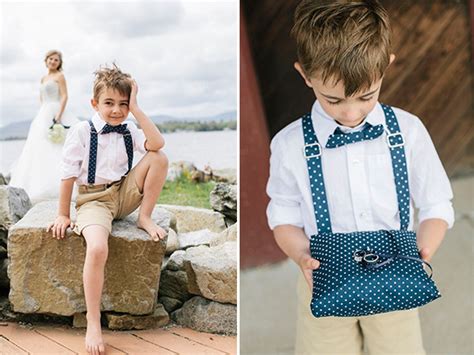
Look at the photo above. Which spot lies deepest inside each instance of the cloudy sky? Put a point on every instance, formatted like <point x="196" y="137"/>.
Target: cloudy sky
<point x="183" y="54"/>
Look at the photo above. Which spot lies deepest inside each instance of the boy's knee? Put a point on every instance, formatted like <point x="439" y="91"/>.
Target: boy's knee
<point x="98" y="252"/>
<point x="159" y="158"/>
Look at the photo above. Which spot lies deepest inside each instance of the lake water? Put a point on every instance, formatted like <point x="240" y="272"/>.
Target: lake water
<point x="217" y="149"/>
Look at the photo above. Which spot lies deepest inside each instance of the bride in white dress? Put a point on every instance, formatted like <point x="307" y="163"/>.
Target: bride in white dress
<point x="38" y="168"/>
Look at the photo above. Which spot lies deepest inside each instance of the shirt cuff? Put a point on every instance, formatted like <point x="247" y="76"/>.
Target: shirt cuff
<point x="281" y="215"/>
<point x="69" y="171"/>
<point x="442" y="211"/>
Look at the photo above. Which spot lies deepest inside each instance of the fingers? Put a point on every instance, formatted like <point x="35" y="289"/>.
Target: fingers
<point x="425" y="253"/>
<point x="48" y="228"/>
<point x="310" y="263"/>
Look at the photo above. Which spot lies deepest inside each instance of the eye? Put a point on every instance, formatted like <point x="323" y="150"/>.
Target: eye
<point x="366" y="98"/>
<point x="125" y="104"/>
<point x="333" y="102"/>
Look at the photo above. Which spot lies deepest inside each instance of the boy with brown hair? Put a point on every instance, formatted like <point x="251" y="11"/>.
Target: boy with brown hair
<point x="332" y="174"/>
<point x="98" y="157"/>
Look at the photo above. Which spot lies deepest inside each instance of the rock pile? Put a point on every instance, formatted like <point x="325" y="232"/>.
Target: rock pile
<point x="199" y="280"/>
<point x="190" y="278"/>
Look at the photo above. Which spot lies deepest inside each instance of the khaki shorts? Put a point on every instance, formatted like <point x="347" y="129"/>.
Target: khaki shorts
<point x="386" y="333"/>
<point x="101" y="204"/>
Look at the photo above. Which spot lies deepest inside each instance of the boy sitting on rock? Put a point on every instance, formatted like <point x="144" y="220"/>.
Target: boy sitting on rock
<point x="98" y="156"/>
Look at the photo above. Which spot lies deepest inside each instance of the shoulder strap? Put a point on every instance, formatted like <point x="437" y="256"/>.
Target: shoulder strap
<point x="312" y="152"/>
<point x="92" y="155"/>
<point x="396" y="142"/>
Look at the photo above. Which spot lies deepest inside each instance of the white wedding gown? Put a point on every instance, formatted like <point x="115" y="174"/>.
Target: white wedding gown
<point x="38" y="169"/>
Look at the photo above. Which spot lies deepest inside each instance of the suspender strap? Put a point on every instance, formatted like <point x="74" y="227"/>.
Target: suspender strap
<point x="312" y="152"/>
<point x="396" y="144"/>
<point x="92" y="155"/>
<point x="127" y="139"/>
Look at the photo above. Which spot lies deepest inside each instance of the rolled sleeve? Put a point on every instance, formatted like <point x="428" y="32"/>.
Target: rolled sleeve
<point x="138" y="138"/>
<point x="430" y="186"/>
<point x="73" y="153"/>
<point x="285" y="197"/>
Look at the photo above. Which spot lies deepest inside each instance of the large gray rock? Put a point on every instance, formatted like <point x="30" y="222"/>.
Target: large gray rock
<point x="14" y="203"/>
<point x="229" y="235"/>
<point x="223" y="198"/>
<point x="170" y="304"/>
<point x="207" y="316"/>
<point x="189" y="219"/>
<point x="212" y="272"/>
<point x="46" y="274"/>
<point x="176" y="261"/>
<point x="196" y="238"/>
<point x="174" y="284"/>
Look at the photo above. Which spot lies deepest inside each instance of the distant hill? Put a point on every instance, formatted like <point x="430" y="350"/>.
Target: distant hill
<point x="19" y="130"/>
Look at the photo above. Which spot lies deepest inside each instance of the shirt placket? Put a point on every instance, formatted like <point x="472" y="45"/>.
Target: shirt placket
<point x="359" y="187"/>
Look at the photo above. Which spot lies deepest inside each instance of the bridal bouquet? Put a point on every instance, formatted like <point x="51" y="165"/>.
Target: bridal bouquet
<point x="57" y="132"/>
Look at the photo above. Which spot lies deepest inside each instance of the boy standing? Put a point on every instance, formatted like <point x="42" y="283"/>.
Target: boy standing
<point x="344" y="49"/>
<point x="98" y="156"/>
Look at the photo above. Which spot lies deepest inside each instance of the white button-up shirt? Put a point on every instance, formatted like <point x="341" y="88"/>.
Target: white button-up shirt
<point x="112" y="159"/>
<point x="358" y="177"/>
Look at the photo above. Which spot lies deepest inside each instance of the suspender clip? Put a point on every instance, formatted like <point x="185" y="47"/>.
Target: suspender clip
<point x="395" y="140"/>
<point x="310" y="152"/>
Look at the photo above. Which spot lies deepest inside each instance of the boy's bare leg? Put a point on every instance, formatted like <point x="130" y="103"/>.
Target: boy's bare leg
<point x="96" y="255"/>
<point x="150" y="175"/>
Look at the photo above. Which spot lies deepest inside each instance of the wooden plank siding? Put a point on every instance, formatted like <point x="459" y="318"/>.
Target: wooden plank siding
<point x="258" y="245"/>
<point x="432" y="76"/>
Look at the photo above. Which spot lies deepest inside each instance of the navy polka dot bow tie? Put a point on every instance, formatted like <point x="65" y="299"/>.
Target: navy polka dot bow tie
<point x="121" y="128"/>
<point x="339" y="138"/>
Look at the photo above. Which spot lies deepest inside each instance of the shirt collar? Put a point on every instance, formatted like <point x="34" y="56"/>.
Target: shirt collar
<point x="98" y="122"/>
<point x="325" y="125"/>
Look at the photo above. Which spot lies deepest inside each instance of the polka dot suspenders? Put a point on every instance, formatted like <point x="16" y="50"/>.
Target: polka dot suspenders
<point x="312" y="152"/>
<point x="127" y="138"/>
<point x="368" y="272"/>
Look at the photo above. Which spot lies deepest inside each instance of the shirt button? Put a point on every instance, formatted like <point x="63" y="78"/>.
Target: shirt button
<point x="363" y="214"/>
<point x="356" y="162"/>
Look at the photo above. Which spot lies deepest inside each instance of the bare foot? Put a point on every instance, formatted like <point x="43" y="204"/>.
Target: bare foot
<point x="94" y="343"/>
<point x="155" y="231"/>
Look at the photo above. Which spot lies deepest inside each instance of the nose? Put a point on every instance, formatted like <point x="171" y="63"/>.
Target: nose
<point x="351" y="114"/>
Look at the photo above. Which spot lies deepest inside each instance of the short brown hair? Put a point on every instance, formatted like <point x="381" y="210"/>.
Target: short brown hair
<point x="112" y="78"/>
<point x="58" y="53"/>
<point x="343" y="40"/>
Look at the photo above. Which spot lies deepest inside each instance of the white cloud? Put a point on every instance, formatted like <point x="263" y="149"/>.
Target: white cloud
<point x="183" y="54"/>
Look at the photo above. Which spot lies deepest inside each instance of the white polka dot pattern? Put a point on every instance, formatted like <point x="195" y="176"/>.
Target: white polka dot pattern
<point x="127" y="139"/>
<point x="345" y="287"/>
<point x="368" y="132"/>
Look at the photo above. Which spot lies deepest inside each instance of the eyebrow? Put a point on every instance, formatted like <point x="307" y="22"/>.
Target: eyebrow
<point x="338" y="98"/>
<point x="109" y="98"/>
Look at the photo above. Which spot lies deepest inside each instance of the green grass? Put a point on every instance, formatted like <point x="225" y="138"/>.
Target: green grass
<point x="186" y="193"/>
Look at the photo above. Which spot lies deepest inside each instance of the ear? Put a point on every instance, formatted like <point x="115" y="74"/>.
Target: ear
<point x="300" y="70"/>
<point x="94" y="104"/>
